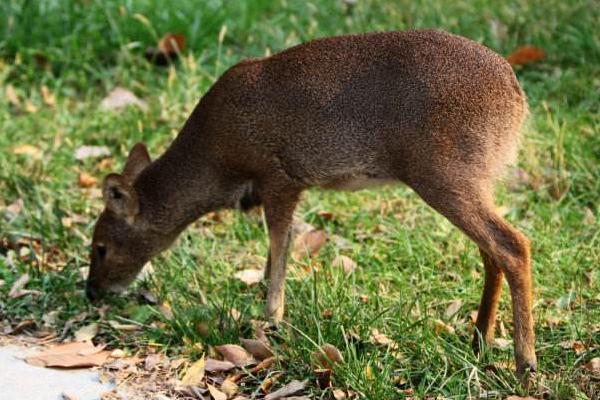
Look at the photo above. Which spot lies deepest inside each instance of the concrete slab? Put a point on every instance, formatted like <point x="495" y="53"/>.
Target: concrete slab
<point x="21" y="381"/>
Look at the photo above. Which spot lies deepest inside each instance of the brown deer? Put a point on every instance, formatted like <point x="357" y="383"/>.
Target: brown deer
<point x="435" y="111"/>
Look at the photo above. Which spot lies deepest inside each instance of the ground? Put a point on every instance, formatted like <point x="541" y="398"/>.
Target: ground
<point x="416" y="274"/>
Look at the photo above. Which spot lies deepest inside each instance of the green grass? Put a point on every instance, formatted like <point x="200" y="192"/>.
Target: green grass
<point x="412" y="262"/>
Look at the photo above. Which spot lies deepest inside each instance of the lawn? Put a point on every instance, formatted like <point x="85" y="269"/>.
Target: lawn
<point x="418" y="279"/>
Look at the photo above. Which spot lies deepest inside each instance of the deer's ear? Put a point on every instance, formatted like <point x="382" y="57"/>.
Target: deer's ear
<point x="137" y="160"/>
<point x="120" y="197"/>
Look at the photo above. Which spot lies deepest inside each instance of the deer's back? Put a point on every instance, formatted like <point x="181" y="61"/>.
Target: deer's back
<point x="383" y="106"/>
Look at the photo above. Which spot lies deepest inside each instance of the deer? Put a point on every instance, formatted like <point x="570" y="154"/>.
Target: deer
<point x="428" y="109"/>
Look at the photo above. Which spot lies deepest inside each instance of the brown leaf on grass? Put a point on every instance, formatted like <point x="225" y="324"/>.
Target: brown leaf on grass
<point x="11" y="96"/>
<point x="212" y="365"/>
<point x="576" y="345"/>
<point x="291" y="388"/>
<point x="250" y="276"/>
<point x="119" y="98"/>
<point x="264" y="364"/>
<point x="194" y="374"/>
<point x="525" y="55"/>
<point x="521" y="398"/>
<point x="86" y="180"/>
<point x="17" y="288"/>
<point x="167" y="49"/>
<point x="257" y="348"/>
<point x="70" y="355"/>
<point x="309" y="243"/>
<point x="215" y="393"/>
<point x="172" y="43"/>
<point x="236" y="355"/>
<point x="593" y="365"/>
<point x="47" y="96"/>
<point x="27" y="150"/>
<point x="344" y="262"/>
<point x="452" y="309"/>
<point x="87" y="333"/>
<point x="328" y="356"/>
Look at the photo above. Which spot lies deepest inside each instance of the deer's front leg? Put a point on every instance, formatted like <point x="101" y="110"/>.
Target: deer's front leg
<point x="279" y="212"/>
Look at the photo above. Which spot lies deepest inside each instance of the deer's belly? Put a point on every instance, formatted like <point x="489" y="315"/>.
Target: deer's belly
<point x="357" y="182"/>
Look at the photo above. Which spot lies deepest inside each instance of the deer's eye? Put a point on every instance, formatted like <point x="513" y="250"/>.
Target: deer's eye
<point x="101" y="250"/>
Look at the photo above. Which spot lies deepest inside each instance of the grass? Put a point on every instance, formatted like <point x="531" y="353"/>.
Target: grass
<point x="411" y="262"/>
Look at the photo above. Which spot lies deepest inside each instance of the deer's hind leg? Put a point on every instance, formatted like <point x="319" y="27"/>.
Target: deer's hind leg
<point x="486" y="315"/>
<point x="469" y="206"/>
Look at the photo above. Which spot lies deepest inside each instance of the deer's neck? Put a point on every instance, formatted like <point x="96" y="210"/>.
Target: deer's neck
<point x="182" y="185"/>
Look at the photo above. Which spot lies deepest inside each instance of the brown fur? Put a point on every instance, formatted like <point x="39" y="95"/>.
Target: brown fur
<point x="433" y="110"/>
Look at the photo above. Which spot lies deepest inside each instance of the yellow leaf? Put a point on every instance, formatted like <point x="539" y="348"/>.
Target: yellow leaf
<point x="12" y="96"/>
<point x="28" y="150"/>
<point x="195" y="374"/>
<point x="47" y="96"/>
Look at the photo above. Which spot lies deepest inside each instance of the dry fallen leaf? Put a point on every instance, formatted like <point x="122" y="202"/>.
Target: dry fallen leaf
<point x="15" y="208"/>
<point x="452" y="309"/>
<point x="440" y="326"/>
<point x="70" y="355"/>
<point x="521" y="398"/>
<point x="525" y="55"/>
<point x="501" y="343"/>
<point x="235" y="354"/>
<point x="593" y="365"/>
<point x="229" y="387"/>
<point x="264" y="364"/>
<point x="328" y="355"/>
<point x="83" y="152"/>
<point x="28" y="150"/>
<point x="16" y="290"/>
<point x="339" y="394"/>
<point x="119" y="98"/>
<point x="47" y="96"/>
<point x="86" y="180"/>
<point x="194" y="374"/>
<point x="348" y="264"/>
<point x="30" y="107"/>
<point x="381" y="339"/>
<point x="216" y="393"/>
<point x="11" y="96"/>
<point x="250" y="276"/>
<point x="309" y="243"/>
<point x="172" y="43"/>
<point x="576" y="345"/>
<point x="212" y="365"/>
<point x="257" y="348"/>
<point x="167" y="50"/>
<point x="87" y="333"/>
<point x="151" y="361"/>
<point x="291" y="388"/>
